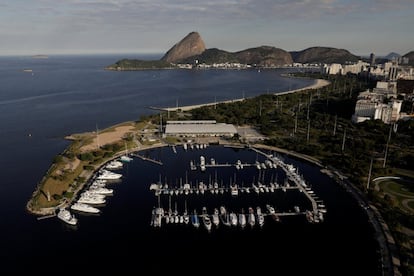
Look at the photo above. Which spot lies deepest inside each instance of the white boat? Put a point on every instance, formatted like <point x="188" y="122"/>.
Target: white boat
<point x="251" y="218"/>
<point x="233" y="219"/>
<point x="260" y="216"/>
<point x="114" y="165"/>
<point x="67" y="217"/>
<point x="216" y="219"/>
<point x="234" y="190"/>
<point x="101" y="191"/>
<point x="224" y="216"/>
<point x="206" y="219"/>
<point x="108" y="175"/>
<point x="194" y="219"/>
<point x="242" y="219"/>
<point x="202" y="163"/>
<point x="88" y="198"/>
<point x="82" y="207"/>
<point x="125" y="157"/>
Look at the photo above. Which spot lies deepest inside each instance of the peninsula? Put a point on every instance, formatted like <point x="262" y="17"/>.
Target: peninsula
<point x="191" y="50"/>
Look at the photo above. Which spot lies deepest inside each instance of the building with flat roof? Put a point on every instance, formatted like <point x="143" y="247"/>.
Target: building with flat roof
<point x="199" y="128"/>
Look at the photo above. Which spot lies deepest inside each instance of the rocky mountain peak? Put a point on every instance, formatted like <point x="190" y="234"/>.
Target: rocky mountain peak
<point x="190" y="45"/>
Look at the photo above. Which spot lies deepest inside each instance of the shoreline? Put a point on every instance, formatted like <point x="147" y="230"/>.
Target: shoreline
<point x="318" y="83"/>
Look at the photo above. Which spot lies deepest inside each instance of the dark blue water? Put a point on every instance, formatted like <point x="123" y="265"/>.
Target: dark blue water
<point x="69" y="94"/>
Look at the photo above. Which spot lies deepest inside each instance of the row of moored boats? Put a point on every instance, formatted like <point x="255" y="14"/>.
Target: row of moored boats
<point x="220" y="216"/>
<point x="95" y="196"/>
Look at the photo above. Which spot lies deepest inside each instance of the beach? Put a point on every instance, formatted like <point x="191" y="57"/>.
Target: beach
<point x="319" y="83"/>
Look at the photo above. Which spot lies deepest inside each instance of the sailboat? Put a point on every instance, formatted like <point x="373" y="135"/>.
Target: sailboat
<point x="125" y="157"/>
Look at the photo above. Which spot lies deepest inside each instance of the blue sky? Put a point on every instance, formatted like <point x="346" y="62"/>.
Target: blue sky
<point x="153" y="26"/>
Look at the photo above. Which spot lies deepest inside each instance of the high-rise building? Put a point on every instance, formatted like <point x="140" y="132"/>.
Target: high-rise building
<point x="372" y="59"/>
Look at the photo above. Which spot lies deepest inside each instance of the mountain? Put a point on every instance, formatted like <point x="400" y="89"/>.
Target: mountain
<point x="264" y="56"/>
<point x="192" y="48"/>
<point x="260" y="56"/>
<point x="410" y="57"/>
<point x="392" y="55"/>
<point x="190" y="45"/>
<point x="211" y="56"/>
<point x="323" y="55"/>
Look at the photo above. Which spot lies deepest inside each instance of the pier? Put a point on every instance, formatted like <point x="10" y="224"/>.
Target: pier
<point x="146" y="158"/>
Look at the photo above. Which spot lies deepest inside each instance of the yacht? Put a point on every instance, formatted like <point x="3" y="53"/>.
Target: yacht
<point x="242" y="219"/>
<point x="206" y="219"/>
<point x="108" y="175"/>
<point x="89" y="198"/>
<point x="67" y="217"/>
<point x="272" y="212"/>
<point x="224" y="216"/>
<point x="114" y="165"/>
<point x="251" y="218"/>
<point x="260" y="216"/>
<point x="234" y="190"/>
<point x="125" y="158"/>
<point x="194" y="219"/>
<point x="202" y="163"/>
<point x="216" y="219"/>
<point x="82" y="207"/>
<point x="233" y="219"/>
<point x="101" y="191"/>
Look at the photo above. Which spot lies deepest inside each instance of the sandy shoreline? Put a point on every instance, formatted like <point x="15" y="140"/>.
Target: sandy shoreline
<point x="319" y="83"/>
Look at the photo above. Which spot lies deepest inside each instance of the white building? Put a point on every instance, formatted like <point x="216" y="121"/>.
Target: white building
<point x="199" y="128"/>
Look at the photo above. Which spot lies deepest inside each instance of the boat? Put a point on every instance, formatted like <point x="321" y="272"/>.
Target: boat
<point x="186" y="216"/>
<point x="114" y="165"/>
<point x="234" y="190"/>
<point x="67" y="217"/>
<point x="242" y="219"/>
<point x="192" y="166"/>
<point x="251" y="218"/>
<point x="100" y="190"/>
<point x="206" y="219"/>
<point x="108" y="175"/>
<point x="90" y="198"/>
<point x="194" y="219"/>
<point x="272" y="212"/>
<point x="260" y="216"/>
<point x="224" y="216"/>
<point x="202" y="163"/>
<point x="125" y="157"/>
<point x="82" y="207"/>
<point x="216" y="219"/>
<point x="233" y="219"/>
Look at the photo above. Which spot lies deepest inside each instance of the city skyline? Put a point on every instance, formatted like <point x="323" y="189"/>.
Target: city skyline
<point x="153" y="26"/>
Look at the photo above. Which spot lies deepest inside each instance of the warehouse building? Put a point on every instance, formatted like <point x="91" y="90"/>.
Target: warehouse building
<point x="199" y="128"/>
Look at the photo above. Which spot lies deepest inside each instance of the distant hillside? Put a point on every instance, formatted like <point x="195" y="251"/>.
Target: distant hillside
<point x="264" y="56"/>
<point x="211" y="56"/>
<point x="189" y="46"/>
<point x="410" y="57"/>
<point x="392" y="55"/>
<point x="192" y="48"/>
<point x="323" y="55"/>
<point x="260" y="56"/>
<point x="136" y="64"/>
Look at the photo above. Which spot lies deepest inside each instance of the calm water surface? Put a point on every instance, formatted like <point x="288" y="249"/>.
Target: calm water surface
<point x="69" y="94"/>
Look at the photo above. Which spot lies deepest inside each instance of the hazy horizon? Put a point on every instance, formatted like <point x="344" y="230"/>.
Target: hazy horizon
<point x="52" y="27"/>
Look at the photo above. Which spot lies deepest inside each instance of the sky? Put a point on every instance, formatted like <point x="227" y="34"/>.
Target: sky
<point x="50" y="27"/>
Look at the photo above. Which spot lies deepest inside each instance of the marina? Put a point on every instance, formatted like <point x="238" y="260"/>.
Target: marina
<point x="293" y="181"/>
